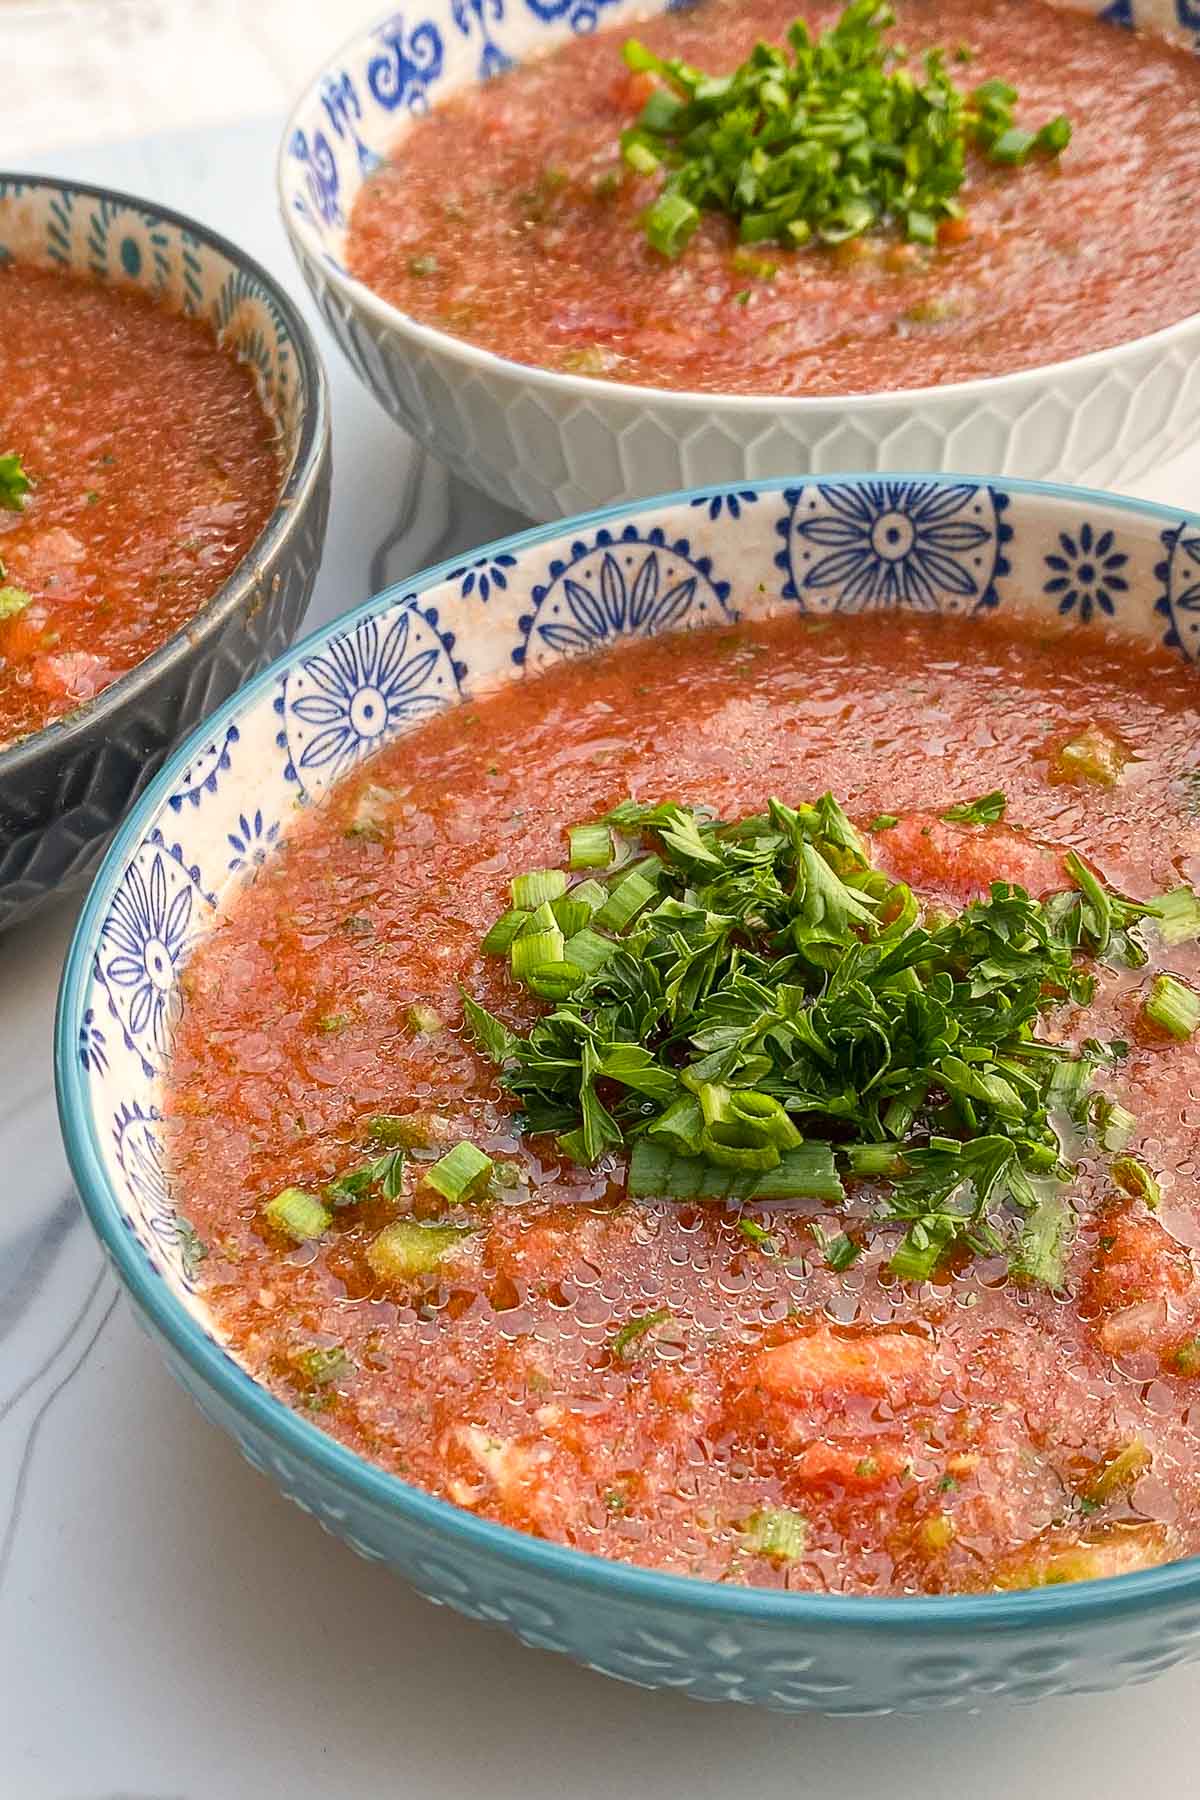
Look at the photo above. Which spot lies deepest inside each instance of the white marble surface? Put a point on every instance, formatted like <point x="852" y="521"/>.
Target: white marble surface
<point x="169" y="1627"/>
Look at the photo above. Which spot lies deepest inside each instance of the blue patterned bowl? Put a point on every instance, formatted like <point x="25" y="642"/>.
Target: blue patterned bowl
<point x="214" y="813"/>
<point x="550" y="444"/>
<point x="63" y="789"/>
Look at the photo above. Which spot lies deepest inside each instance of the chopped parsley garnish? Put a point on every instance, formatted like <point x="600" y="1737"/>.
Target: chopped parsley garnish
<point x="753" y="1011"/>
<point x="14" y="483"/>
<point x="987" y="810"/>
<point x="826" y="139"/>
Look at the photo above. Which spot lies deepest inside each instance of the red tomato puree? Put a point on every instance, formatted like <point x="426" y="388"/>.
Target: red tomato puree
<point x="507" y="217"/>
<point x="154" y="468"/>
<point x="641" y="1378"/>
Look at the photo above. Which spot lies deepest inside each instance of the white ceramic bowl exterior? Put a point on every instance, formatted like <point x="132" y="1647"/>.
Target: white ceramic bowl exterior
<point x="550" y="444"/>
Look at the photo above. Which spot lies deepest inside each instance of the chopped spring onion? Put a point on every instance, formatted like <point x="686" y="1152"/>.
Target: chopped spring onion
<point x="1114" y="1124"/>
<point x="591" y="846"/>
<point x="425" y="1020"/>
<point x="507" y="928"/>
<point x="627" y="1341"/>
<point x="536" y="947"/>
<point x="14" y="483"/>
<point x="407" y="1249"/>
<point x="537" y="887"/>
<point x="624" y="902"/>
<point x="588" y="950"/>
<point x="297" y="1215"/>
<point x="570" y="915"/>
<point x="1172" y="1006"/>
<point x="13" y="600"/>
<point x="460" y="1173"/>
<point x="1133" y="1177"/>
<point x="1043" y="1243"/>
<point x="1095" y="755"/>
<point x="777" y="1532"/>
<point x="1117" y="1473"/>
<point x="1177" y="916"/>
<point x="555" y="980"/>
<point x="407" y="1131"/>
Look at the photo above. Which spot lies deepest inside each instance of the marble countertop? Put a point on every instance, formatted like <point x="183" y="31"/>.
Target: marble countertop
<point x="170" y="1629"/>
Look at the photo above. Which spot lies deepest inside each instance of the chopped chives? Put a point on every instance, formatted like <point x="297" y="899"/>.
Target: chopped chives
<point x="460" y="1173"/>
<point x="1172" y="1006"/>
<point x="591" y="846"/>
<point x="829" y="138"/>
<point x="297" y="1215"/>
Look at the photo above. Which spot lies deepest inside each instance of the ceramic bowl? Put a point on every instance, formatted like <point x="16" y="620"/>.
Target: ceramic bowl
<point x="216" y="811"/>
<point x="64" y="788"/>
<point x="550" y="444"/>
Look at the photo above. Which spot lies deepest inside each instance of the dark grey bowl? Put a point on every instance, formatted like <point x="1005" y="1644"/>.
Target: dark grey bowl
<point x="64" y="789"/>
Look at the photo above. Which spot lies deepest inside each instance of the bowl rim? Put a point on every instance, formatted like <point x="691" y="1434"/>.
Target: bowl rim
<point x="62" y="736"/>
<point x="625" y="393"/>
<point x="1067" y="1604"/>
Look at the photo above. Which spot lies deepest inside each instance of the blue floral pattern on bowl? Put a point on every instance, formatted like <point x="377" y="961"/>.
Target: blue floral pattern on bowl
<point x="1086" y="572"/>
<point x="633" y="585"/>
<point x="205" y="826"/>
<point x="345" y="701"/>
<point x="932" y="545"/>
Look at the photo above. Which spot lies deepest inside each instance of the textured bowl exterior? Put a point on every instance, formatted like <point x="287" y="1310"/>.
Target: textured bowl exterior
<point x="852" y="543"/>
<point x="549" y="444"/>
<point x="63" y="789"/>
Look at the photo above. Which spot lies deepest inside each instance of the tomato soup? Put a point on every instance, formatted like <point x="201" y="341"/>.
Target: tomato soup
<point x="508" y="217"/>
<point x="149" y="468"/>
<point x="815" y="1392"/>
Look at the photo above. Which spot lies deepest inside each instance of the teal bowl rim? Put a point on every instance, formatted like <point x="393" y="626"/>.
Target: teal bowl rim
<point x="1073" y="1604"/>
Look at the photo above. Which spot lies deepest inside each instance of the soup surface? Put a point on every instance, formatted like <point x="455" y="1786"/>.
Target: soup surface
<point x="507" y="217"/>
<point x="153" y="468"/>
<point x="701" y="1387"/>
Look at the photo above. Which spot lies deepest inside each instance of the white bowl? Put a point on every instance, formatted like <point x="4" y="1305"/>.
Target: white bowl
<point x="549" y="444"/>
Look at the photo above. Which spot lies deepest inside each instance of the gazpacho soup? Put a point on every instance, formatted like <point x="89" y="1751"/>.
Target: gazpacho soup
<point x="729" y="1105"/>
<point x="137" y="467"/>
<point x="736" y="200"/>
